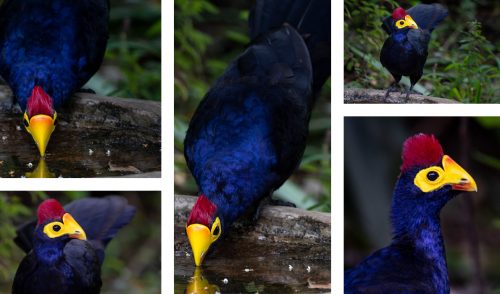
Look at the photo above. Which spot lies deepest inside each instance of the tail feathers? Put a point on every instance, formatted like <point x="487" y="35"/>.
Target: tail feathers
<point x="428" y="16"/>
<point x="311" y="18"/>
<point x="101" y="218"/>
<point x="24" y="236"/>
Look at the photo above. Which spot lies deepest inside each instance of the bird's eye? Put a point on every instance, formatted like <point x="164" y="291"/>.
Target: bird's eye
<point x="216" y="231"/>
<point x="26" y="123"/>
<point x="56" y="228"/>
<point x="432" y="175"/>
<point x="401" y="22"/>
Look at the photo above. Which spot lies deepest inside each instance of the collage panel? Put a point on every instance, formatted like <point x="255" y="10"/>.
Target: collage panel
<point x="421" y="211"/>
<point x="80" y="242"/>
<point x="421" y="51"/>
<point x="80" y="92"/>
<point x="252" y="139"/>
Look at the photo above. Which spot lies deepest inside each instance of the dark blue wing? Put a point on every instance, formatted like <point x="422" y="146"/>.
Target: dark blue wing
<point x="428" y="16"/>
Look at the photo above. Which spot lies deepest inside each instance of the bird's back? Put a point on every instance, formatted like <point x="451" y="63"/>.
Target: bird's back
<point x="55" y="44"/>
<point x="250" y="128"/>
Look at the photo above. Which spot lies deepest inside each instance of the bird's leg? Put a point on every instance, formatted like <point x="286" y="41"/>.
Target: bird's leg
<point x="279" y="202"/>
<point x="86" y="90"/>
<point x="408" y="93"/>
<point x="391" y="87"/>
<point x="269" y="201"/>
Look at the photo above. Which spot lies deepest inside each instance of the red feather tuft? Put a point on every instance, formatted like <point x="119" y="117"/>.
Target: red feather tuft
<point x="39" y="103"/>
<point x="203" y="212"/>
<point x="421" y="150"/>
<point x="50" y="209"/>
<point x="399" y="13"/>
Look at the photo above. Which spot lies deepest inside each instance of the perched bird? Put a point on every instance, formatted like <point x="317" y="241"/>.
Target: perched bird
<point x="65" y="246"/>
<point x="415" y="261"/>
<point x="249" y="132"/>
<point x="49" y="50"/>
<point x="405" y="50"/>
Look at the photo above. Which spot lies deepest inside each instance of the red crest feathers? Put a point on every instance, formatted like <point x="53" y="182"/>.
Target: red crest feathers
<point x="203" y="212"/>
<point x="40" y="103"/>
<point x="49" y="209"/>
<point x="399" y="13"/>
<point x="421" y="150"/>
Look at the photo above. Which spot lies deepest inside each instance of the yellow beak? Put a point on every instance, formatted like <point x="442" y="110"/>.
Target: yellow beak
<point x="411" y="23"/>
<point x="200" y="239"/>
<point x="72" y="228"/>
<point x="41" y="127"/>
<point x="456" y="176"/>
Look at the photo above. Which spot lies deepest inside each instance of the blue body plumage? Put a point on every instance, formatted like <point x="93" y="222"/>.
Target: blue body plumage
<point x="249" y="132"/>
<point x="69" y="262"/>
<point x="48" y="50"/>
<point x="405" y="50"/>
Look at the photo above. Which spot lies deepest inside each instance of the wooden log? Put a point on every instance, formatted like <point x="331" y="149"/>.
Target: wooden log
<point x="276" y="223"/>
<point x="287" y="246"/>
<point x="353" y="95"/>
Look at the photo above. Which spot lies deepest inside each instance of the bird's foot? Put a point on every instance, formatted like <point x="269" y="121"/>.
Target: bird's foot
<point x="279" y="202"/>
<point x="86" y="90"/>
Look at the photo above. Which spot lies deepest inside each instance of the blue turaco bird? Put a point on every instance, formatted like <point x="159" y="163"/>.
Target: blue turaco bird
<point x="415" y="261"/>
<point x="48" y="50"/>
<point x="405" y="51"/>
<point x="65" y="246"/>
<point x="249" y="132"/>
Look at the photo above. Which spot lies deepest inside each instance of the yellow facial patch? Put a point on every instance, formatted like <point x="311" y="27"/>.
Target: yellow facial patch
<point x="406" y="22"/>
<point x="435" y="177"/>
<point x="68" y="226"/>
<point x="216" y="230"/>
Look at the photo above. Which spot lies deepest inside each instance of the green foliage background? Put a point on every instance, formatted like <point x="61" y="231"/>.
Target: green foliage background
<point x="132" y="262"/>
<point x="208" y="36"/>
<point x="463" y="62"/>
<point x="132" y="64"/>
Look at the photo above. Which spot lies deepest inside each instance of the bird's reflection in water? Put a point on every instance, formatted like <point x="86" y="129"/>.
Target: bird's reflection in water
<point x="198" y="284"/>
<point x="41" y="171"/>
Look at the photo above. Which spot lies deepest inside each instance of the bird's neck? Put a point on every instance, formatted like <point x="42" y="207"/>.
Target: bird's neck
<point x="424" y="237"/>
<point x="49" y="254"/>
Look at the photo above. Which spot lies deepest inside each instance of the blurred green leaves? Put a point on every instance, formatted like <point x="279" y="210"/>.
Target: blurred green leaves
<point x="132" y="64"/>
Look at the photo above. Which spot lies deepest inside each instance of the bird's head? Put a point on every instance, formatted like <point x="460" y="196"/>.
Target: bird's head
<point x="428" y="179"/>
<point x="40" y="118"/>
<point x="402" y="20"/>
<point x="203" y="228"/>
<point x="56" y="224"/>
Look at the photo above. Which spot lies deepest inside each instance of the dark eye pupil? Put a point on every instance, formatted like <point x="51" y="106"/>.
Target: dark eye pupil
<point x="26" y="123"/>
<point x="216" y="231"/>
<point x="432" y="175"/>
<point x="56" y="228"/>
